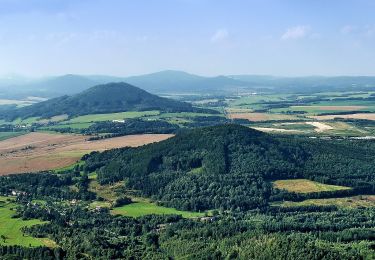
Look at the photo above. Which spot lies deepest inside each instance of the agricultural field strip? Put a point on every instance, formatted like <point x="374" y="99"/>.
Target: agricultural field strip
<point x="43" y="151"/>
<point x="366" y="116"/>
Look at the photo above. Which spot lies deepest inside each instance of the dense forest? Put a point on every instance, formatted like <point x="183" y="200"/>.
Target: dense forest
<point x="108" y="98"/>
<point x="130" y="127"/>
<point x="230" y="167"/>
<point x="309" y="232"/>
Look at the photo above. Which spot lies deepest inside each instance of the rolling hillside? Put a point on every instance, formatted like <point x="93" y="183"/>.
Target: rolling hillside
<point x="108" y="98"/>
<point x="230" y="166"/>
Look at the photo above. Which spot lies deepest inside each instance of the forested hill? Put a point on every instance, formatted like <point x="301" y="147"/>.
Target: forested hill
<point x="230" y="167"/>
<point x="108" y="98"/>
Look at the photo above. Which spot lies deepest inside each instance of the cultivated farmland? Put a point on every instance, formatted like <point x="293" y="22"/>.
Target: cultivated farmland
<point x="44" y="151"/>
<point x="367" y="116"/>
<point x="257" y="117"/>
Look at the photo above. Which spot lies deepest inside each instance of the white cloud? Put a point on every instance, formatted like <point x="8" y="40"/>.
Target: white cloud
<point x="220" y="35"/>
<point x="296" y="32"/>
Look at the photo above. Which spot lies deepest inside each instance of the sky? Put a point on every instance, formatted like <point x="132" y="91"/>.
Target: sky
<point x="205" y="37"/>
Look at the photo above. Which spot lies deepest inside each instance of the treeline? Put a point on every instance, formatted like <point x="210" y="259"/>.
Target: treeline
<point x="108" y="129"/>
<point x="47" y="185"/>
<point x="131" y="126"/>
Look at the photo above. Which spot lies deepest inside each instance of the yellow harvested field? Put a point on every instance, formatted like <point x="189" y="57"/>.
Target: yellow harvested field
<point x="306" y="186"/>
<point x="257" y="117"/>
<point x="43" y="151"/>
<point x="368" y="116"/>
<point x="333" y="108"/>
<point x="348" y="202"/>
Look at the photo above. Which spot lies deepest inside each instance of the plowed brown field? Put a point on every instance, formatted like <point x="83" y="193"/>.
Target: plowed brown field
<point x="43" y="151"/>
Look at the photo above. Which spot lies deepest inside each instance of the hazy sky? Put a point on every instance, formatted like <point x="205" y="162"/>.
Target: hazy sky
<point x="208" y="37"/>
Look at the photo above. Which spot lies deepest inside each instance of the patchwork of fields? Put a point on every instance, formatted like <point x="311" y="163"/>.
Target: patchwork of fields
<point x="326" y="109"/>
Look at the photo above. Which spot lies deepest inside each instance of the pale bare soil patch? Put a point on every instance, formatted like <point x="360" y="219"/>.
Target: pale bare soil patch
<point x="279" y="130"/>
<point x="320" y="127"/>
<point x="306" y="186"/>
<point x="368" y="116"/>
<point x="257" y="117"/>
<point x="333" y="108"/>
<point x="43" y="151"/>
<point x="367" y="201"/>
<point x="238" y="110"/>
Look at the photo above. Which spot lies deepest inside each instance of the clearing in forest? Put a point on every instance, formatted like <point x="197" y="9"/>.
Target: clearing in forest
<point x="306" y="186"/>
<point x="10" y="228"/>
<point x="140" y="206"/>
<point x="144" y="207"/>
<point x="365" y="201"/>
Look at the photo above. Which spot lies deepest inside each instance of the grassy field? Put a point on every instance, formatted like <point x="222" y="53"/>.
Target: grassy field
<point x="107" y="192"/>
<point x="258" y="117"/>
<point x="11" y="227"/>
<point x="112" y="116"/>
<point x="348" y="202"/>
<point x="26" y="121"/>
<point x="305" y="186"/>
<point x="142" y="208"/>
<point x="255" y="101"/>
<point x="69" y="167"/>
<point x="70" y="125"/>
<point x="7" y="135"/>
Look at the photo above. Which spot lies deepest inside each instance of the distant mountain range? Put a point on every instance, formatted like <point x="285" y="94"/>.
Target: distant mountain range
<point x="107" y="98"/>
<point x="182" y="82"/>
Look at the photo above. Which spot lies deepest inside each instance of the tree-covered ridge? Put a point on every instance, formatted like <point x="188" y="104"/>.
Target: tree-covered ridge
<point x="107" y="98"/>
<point x="230" y="167"/>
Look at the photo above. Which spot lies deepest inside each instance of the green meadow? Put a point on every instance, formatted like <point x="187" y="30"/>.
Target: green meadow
<point x="112" y="116"/>
<point x="11" y="228"/>
<point x="142" y="208"/>
<point x="7" y="135"/>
